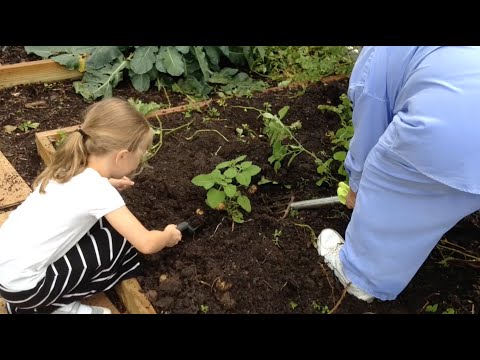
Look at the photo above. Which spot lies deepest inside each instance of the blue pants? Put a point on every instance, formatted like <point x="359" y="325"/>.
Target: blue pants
<point x="399" y="216"/>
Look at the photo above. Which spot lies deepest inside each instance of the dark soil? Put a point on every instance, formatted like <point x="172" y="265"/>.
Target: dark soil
<point x="267" y="264"/>
<point x="15" y="54"/>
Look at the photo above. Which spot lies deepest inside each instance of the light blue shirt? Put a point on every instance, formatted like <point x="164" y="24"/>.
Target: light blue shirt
<point x="423" y="103"/>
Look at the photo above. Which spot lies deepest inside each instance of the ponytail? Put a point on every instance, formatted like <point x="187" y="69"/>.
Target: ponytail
<point x="70" y="159"/>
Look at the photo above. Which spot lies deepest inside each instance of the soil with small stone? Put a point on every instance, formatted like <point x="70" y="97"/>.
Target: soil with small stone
<point x="268" y="264"/>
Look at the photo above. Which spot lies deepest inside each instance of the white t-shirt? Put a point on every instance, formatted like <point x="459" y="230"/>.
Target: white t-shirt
<point x="45" y="226"/>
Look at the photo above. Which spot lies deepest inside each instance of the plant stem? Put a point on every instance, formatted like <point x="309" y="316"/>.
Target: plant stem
<point x="313" y="237"/>
<point x="168" y="99"/>
<point x="475" y="258"/>
<point x="202" y="130"/>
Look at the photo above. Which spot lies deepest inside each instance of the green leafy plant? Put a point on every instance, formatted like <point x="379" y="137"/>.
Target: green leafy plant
<point x="431" y="308"/>
<point x="449" y="311"/>
<point x="204" y="309"/>
<point x="194" y="70"/>
<point x="341" y="138"/>
<point x="60" y="138"/>
<point x="288" y="64"/>
<point x="319" y="308"/>
<point x="26" y="126"/>
<point x="284" y="143"/>
<point x="225" y="184"/>
<point x="293" y="304"/>
<point x="276" y="237"/>
<point x="145" y="108"/>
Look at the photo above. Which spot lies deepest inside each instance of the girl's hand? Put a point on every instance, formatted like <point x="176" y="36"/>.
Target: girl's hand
<point x="121" y="184"/>
<point x="175" y="235"/>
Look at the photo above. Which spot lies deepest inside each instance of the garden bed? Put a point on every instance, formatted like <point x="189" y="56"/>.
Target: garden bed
<point x="267" y="264"/>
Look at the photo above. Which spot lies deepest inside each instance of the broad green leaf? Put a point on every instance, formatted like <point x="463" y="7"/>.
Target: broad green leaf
<point x="243" y="179"/>
<point x="215" y="197"/>
<point x="224" y="76"/>
<point x="143" y="59"/>
<point x="200" y="54"/>
<point x="283" y="111"/>
<point x="237" y="216"/>
<point x="240" y="158"/>
<point x="203" y="180"/>
<point x="235" y="55"/>
<point x="230" y="173"/>
<point x="183" y="49"/>
<point x="102" y="56"/>
<point x="98" y="83"/>
<point x="225" y="50"/>
<point x="230" y="190"/>
<point x="261" y="51"/>
<point x="244" y="202"/>
<point x="140" y="82"/>
<point x="219" y="178"/>
<point x="159" y="64"/>
<point x="244" y="87"/>
<point x="153" y="73"/>
<point x="192" y="67"/>
<point x="252" y="170"/>
<point x="213" y="55"/>
<point x="191" y="85"/>
<point x="245" y="164"/>
<point x="70" y="61"/>
<point x="172" y="60"/>
<point x="264" y="180"/>
<point x="84" y="50"/>
<point x="249" y="55"/>
<point x="47" y="51"/>
<point x="340" y="155"/>
<point x="145" y="108"/>
<point x="224" y="164"/>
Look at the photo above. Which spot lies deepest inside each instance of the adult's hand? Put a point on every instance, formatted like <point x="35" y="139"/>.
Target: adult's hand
<point x="350" y="199"/>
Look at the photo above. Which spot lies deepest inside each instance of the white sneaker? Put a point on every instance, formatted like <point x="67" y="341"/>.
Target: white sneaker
<point x="77" y="307"/>
<point x="328" y="245"/>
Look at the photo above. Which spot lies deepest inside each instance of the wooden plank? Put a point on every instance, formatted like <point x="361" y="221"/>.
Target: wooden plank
<point x="101" y="300"/>
<point x="3" y="306"/>
<point x="180" y="108"/>
<point x="13" y="189"/>
<point x="35" y="72"/>
<point x="132" y="296"/>
<point x="45" y="148"/>
<point x="3" y="217"/>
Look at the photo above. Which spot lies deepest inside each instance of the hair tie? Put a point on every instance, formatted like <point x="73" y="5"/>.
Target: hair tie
<point x="82" y="132"/>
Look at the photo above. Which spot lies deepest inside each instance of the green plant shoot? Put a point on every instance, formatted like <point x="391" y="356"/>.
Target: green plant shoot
<point x="225" y="184"/>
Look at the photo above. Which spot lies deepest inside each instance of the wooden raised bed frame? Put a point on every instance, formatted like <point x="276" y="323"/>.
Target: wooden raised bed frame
<point x="35" y="72"/>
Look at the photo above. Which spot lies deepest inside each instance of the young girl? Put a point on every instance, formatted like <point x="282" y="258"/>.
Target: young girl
<point x="68" y="240"/>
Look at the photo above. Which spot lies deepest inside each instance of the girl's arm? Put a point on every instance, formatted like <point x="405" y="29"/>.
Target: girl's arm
<point x="145" y="241"/>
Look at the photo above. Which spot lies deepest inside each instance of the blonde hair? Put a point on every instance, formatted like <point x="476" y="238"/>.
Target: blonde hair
<point x="110" y="124"/>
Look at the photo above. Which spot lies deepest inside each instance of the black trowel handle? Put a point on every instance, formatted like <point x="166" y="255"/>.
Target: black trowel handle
<point x="183" y="226"/>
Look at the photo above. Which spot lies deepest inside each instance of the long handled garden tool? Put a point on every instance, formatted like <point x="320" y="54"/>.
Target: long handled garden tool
<point x="342" y="192"/>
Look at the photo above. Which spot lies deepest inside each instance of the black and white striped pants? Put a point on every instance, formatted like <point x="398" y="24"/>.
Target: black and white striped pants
<point x="96" y="263"/>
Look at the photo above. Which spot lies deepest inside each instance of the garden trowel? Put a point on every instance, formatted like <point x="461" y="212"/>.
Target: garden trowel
<point x="191" y="224"/>
<point x="342" y="192"/>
